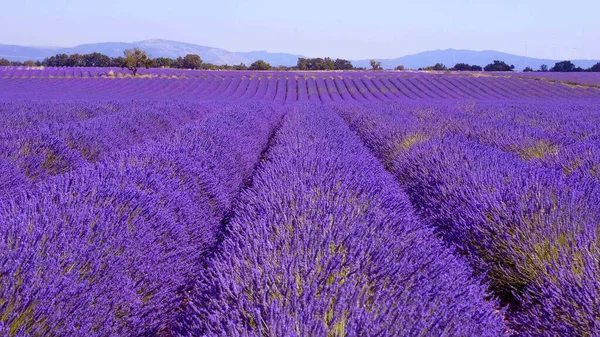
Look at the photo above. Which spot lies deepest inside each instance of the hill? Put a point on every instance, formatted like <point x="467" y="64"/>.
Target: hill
<point x="173" y="49"/>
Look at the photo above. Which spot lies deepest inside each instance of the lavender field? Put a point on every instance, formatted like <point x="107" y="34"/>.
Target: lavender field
<point x="224" y="203"/>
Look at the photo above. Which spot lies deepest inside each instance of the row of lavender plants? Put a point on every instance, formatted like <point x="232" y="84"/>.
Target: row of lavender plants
<point x="318" y="87"/>
<point x="325" y="243"/>
<point x="43" y="139"/>
<point x="531" y="230"/>
<point x="108" y="249"/>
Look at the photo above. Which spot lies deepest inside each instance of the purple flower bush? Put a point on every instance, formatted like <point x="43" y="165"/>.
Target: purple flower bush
<point x="325" y="243"/>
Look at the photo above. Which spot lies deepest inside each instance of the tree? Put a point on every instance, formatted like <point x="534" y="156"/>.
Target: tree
<point x="375" y="65"/>
<point x="329" y="63"/>
<point x="527" y="70"/>
<point x="260" y="65"/>
<point x="96" y="60"/>
<point x="58" y="60"/>
<point x="499" y="66"/>
<point x="205" y="66"/>
<point x="595" y="67"/>
<point x="75" y="60"/>
<point x="399" y="67"/>
<point x="564" y="66"/>
<point x="302" y="63"/>
<point x="543" y="68"/>
<point x="192" y="61"/>
<point x="341" y="64"/>
<point x="135" y="59"/>
<point x="476" y="68"/>
<point x="29" y="63"/>
<point x="317" y="64"/>
<point x="439" y="67"/>
<point x="4" y="62"/>
<point x="162" y="62"/>
<point x="241" y="66"/>
<point x="461" y="67"/>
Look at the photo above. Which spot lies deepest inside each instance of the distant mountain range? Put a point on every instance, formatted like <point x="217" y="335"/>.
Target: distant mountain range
<point x="173" y="49"/>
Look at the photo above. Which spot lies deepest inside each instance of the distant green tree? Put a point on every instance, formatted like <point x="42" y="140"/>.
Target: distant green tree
<point x="375" y="65"/>
<point x="399" y="67"/>
<point x="462" y="67"/>
<point x="96" y="60"/>
<point x="163" y="62"/>
<point x="135" y="59"/>
<point x="499" y="66"/>
<point x="260" y="65"/>
<point x="58" y="60"/>
<point x="205" y="66"/>
<point x="302" y="63"/>
<point x="439" y="67"/>
<point x="476" y="68"/>
<point x="29" y="63"/>
<point x="341" y="64"/>
<point x="317" y="64"/>
<point x="117" y="61"/>
<point x="75" y="60"/>
<point x="564" y="66"/>
<point x="543" y="68"/>
<point x="329" y="63"/>
<point x="241" y="66"/>
<point x="192" y="61"/>
<point x="4" y="62"/>
<point x="178" y="63"/>
<point x="527" y="70"/>
<point x="595" y="67"/>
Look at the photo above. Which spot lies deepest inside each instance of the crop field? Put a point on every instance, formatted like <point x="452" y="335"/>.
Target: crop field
<point x="335" y="204"/>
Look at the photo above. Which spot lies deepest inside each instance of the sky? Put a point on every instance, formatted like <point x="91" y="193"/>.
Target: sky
<point x="348" y="29"/>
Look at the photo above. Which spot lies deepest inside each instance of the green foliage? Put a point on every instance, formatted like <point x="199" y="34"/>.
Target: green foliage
<point x="436" y="67"/>
<point x="323" y="64"/>
<point x="399" y="67"/>
<point x="163" y="62"/>
<point x="260" y="65"/>
<point x="135" y="59"/>
<point x="543" y="68"/>
<point x="499" y="66"/>
<point x="29" y="63"/>
<point x="375" y="65"/>
<point x="341" y="64"/>
<point x="208" y="66"/>
<point x="241" y="66"/>
<point x="58" y="60"/>
<point x="96" y="60"/>
<point x="527" y="70"/>
<point x="117" y="61"/>
<point x="461" y="67"/>
<point x="4" y="62"/>
<point x="565" y="66"/>
<point x="595" y="67"/>
<point x="192" y="61"/>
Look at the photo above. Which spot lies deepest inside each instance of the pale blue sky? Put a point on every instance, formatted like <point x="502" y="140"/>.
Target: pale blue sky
<point x="349" y="29"/>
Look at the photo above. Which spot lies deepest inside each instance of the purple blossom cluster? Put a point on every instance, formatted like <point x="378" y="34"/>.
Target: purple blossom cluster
<point x="108" y="249"/>
<point x="325" y="243"/>
<point x="532" y="231"/>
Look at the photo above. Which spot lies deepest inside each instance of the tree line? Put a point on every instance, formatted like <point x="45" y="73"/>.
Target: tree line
<point x="136" y="58"/>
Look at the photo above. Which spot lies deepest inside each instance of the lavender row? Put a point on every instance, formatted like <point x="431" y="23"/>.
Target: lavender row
<point x="40" y="143"/>
<point x="316" y="87"/>
<point x="324" y="243"/>
<point x="530" y="230"/>
<point x="561" y="136"/>
<point x="108" y="250"/>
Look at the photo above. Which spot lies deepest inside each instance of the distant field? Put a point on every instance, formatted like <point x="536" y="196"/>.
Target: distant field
<point x="224" y="203"/>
